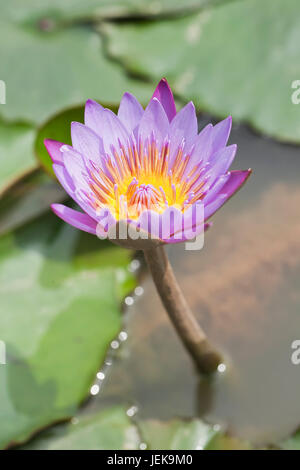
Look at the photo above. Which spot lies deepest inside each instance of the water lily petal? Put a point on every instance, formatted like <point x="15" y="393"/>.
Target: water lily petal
<point x="216" y="188"/>
<point x="74" y="163"/>
<point x="53" y="148"/>
<point x="113" y="132"/>
<point x="202" y="148"/>
<point x="221" y="132"/>
<point x="154" y="121"/>
<point x="86" y="142"/>
<point x="185" y="123"/>
<point x="164" y="94"/>
<point x="92" y="116"/>
<point x="74" y="192"/>
<point x="236" y="180"/>
<point x="221" y="161"/>
<point x="76" y="174"/>
<point x="105" y="221"/>
<point x="75" y="218"/>
<point x="130" y="112"/>
<point x="64" y="178"/>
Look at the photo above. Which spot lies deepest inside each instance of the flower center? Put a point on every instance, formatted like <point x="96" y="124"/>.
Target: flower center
<point x="145" y="195"/>
<point x="142" y="177"/>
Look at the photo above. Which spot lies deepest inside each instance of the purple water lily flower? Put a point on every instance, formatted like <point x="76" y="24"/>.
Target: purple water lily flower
<point x="143" y="165"/>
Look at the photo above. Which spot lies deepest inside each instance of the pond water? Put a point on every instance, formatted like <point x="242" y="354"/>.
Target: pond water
<point x="244" y="287"/>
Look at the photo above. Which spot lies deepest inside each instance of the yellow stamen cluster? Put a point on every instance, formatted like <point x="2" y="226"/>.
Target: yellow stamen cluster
<point x="141" y="177"/>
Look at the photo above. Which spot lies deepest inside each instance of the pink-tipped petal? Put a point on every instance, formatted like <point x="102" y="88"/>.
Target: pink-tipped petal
<point x="221" y="132"/>
<point x="164" y="94"/>
<point x="53" y="148"/>
<point x="236" y="180"/>
<point x="130" y="112"/>
<point x="76" y="219"/>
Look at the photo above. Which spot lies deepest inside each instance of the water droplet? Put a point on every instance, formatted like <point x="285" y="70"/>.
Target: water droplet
<point x="143" y="446"/>
<point x="129" y="301"/>
<point x="101" y="376"/>
<point x="221" y="368"/>
<point x="132" y="411"/>
<point x="134" y="265"/>
<point x="123" y="336"/>
<point x="139" y="290"/>
<point x="95" y="389"/>
<point x="115" y="344"/>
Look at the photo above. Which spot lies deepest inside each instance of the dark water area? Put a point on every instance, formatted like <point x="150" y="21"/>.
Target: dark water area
<point x="244" y="288"/>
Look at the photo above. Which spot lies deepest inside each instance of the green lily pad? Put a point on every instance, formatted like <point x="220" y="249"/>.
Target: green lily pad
<point x="27" y="199"/>
<point x="59" y="312"/>
<point x="240" y="58"/>
<point x="46" y="71"/>
<point x="16" y="155"/>
<point x="176" y="434"/>
<point x="194" y="434"/>
<point x="112" y="429"/>
<point x="226" y="442"/>
<point x="109" y="429"/>
<point x="56" y="10"/>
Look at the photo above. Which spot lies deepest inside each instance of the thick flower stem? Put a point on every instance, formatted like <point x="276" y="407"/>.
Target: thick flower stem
<point x="191" y="334"/>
